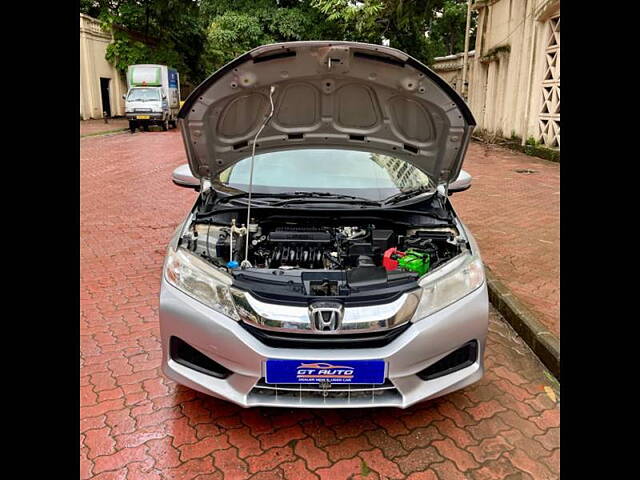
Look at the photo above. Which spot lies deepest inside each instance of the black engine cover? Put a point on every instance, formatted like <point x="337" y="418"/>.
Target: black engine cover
<point x="299" y="236"/>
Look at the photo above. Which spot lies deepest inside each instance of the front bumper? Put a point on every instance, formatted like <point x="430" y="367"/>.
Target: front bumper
<point x="153" y="116"/>
<point x="226" y="342"/>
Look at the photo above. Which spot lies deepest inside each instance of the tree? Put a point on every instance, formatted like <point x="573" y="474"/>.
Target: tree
<point x="152" y="31"/>
<point x="403" y="23"/>
<point x="233" y="27"/>
<point x="422" y="28"/>
<point x="199" y="36"/>
<point x="446" y="34"/>
<point x="90" y="7"/>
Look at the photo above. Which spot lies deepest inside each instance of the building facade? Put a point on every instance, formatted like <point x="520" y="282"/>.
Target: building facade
<point x="450" y="68"/>
<point x="514" y="76"/>
<point x="101" y="85"/>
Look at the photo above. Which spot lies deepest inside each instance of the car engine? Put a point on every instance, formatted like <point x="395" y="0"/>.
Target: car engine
<point x="311" y="247"/>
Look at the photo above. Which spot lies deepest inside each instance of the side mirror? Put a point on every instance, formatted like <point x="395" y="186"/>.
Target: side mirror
<point x="124" y="96"/>
<point x="182" y="177"/>
<point x="164" y="97"/>
<point x="461" y="183"/>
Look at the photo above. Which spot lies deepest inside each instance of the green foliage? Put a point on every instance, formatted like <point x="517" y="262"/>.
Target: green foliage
<point x="152" y="31"/>
<point x="357" y="21"/>
<point x="125" y="51"/>
<point x="90" y="7"/>
<point x="402" y="22"/>
<point x="233" y="27"/>
<point x="532" y="142"/>
<point x="422" y="28"/>
<point x="199" y="36"/>
<point x="538" y="150"/>
<point x="446" y="32"/>
<point x="232" y="34"/>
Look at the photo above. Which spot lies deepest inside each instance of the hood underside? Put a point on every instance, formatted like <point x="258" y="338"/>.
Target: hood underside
<point x="343" y="95"/>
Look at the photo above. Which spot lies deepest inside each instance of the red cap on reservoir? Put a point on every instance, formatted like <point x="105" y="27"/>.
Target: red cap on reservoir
<point x="389" y="263"/>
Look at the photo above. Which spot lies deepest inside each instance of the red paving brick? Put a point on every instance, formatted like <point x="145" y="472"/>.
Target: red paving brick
<point x="515" y="217"/>
<point x="137" y="424"/>
<point x="90" y="127"/>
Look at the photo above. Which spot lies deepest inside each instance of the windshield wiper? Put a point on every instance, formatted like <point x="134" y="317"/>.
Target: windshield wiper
<point x="325" y="200"/>
<point x="301" y="197"/>
<point x="228" y="198"/>
<point x="329" y="196"/>
<point x="398" y="197"/>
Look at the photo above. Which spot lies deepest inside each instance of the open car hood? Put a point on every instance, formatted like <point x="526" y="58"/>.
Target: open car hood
<point x="327" y="94"/>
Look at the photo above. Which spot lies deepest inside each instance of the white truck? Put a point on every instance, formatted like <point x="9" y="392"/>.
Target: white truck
<point x="153" y="97"/>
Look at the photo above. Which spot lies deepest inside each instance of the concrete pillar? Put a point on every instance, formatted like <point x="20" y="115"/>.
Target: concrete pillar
<point x="490" y="104"/>
<point x="501" y="98"/>
<point x="85" y="77"/>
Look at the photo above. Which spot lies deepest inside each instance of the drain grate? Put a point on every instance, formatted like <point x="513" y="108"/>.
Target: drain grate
<point x="526" y="171"/>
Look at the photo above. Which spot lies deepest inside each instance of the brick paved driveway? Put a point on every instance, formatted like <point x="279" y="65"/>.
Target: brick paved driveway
<point x="515" y="218"/>
<point x="95" y="126"/>
<point x="135" y="424"/>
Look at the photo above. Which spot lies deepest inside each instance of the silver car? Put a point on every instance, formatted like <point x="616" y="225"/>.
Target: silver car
<point x="322" y="264"/>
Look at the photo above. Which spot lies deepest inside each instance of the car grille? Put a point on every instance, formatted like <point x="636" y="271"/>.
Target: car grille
<point x="142" y="110"/>
<point x="320" y="341"/>
<point x="384" y="394"/>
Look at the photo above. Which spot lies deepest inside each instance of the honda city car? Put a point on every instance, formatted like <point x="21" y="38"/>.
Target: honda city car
<point x="323" y="264"/>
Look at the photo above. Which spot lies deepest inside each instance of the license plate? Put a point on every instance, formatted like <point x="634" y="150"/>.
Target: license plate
<point x="316" y="371"/>
<point x="143" y="117"/>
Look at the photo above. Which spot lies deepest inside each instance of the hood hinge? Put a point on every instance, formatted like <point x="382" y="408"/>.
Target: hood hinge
<point x="205" y="185"/>
<point x="443" y="185"/>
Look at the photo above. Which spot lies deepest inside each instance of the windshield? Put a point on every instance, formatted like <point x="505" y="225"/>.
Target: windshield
<point x="370" y="175"/>
<point x="143" y="95"/>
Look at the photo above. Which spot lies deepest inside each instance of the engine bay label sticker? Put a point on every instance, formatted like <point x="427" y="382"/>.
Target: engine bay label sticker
<point x="316" y="371"/>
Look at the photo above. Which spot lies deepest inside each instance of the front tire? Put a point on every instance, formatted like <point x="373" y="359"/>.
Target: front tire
<point x="165" y="125"/>
<point x="145" y="127"/>
<point x="132" y="126"/>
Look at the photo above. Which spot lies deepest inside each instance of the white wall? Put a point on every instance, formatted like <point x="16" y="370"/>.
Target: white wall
<point x="450" y="69"/>
<point x="505" y="91"/>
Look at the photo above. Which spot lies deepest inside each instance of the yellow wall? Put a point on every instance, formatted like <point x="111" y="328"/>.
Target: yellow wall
<point x="93" y="66"/>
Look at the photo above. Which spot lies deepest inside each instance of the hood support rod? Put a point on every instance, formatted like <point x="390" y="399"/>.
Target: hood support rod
<point x="246" y="263"/>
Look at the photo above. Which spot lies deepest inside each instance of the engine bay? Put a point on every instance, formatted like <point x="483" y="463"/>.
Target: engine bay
<point x="338" y="257"/>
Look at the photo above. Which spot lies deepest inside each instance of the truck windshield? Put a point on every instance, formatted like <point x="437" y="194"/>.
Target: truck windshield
<point x="366" y="174"/>
<point x="143" y="95"/>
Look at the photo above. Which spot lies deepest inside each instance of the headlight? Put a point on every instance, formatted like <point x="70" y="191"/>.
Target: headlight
<point x="200" y="280"/>
<point x="448" y="284"/>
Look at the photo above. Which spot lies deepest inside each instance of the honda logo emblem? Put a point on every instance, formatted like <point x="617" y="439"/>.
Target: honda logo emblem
<point x="326" y="317"/>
